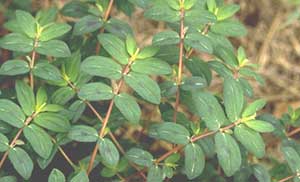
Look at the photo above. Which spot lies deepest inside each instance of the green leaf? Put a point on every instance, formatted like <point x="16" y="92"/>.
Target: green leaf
<point x="174" y="4"/>
<point x="228" y="153"/>
<point x="131" y="45"/>
<point x="261" y="173"/>
<point x="102" y="66"/>
<point x="115" y="47"/>
<point x="193" y="83"/>
<point x="11" y="113"/>
<point x="14" y="67"/>
<point x="87" y="24"/>
<point x="128" y="107"/>
<point x="17" y="42"/>
<point x="292" y="157"/>
<point x="144" y="86"/>
<point x="163" y="131"/>
<point x="80" y="177"/>
<point x="21" y="162"/>
<point x="188" y="4"/>
<point x="227" y="11"/>
<point x="260" y="126"/>
<point x="4" y="145"/>
<point x="26" y="22"/>
<point x="41" y="97"/>
<point x="209" y="109"/>
<point x="109" y="152"/>
<point x="199" y="68"/>
<point x="194" y="160"/>
<point x="107" y="172"/>
<point x="72" y="66"/>
<point x="55" y="48"/>
<point x="82" y="133"/>
<point x="162" y="12"/>
<point x="47" y="72"/>
<point x="56" y="176"/>
<point x="25" y="97"/>
<point x="211" y="5"/>
<point x="250" y="139"/>
<point x="95" y="92"/>
<point x="147" y="52"/>
<point x="8" y="179"/>
<point x="151" y="66"/>
<point x="75" y="9"/>
<point x="118" y="28"/>
<point x="54" y="30"/>
<point x="155" y="174"/>
<point x="252" y="108"/>
<point x="53" y="121"/>
<point x="62" y="95"/>
<point x="52" y="108"/>
<point x="227" y="55"/>
<point x="46" y="16"/>
<point x="39" y="140"/>
<point x="230" y="28"/>
<point x="199" y="42"/>
<point x="166" y="38"/>
<point x="233" y="99"/>
<point x="140" y="157"/>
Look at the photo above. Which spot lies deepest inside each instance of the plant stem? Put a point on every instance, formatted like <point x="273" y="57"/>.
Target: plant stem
<point x="180" y="63"/>
<point x="63" y="153"/>
<point x="105" y="18"/>
<point x="287" y="178"/>
<point x="32" y="62"/>
<point x="13" y="142"/>
<point x="294" y="132"/>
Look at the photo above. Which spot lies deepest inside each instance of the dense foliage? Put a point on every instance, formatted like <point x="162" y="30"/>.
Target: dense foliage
<point x="79" y="76"/>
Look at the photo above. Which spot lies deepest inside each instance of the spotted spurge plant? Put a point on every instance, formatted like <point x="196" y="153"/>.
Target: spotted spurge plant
<point x="76" y="76"/>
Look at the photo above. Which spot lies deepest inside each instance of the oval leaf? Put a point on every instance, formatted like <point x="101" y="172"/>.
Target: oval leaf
<point x="194" y="161"/>
<point x="95" y="92"/>
<point x="140" y="157"/>
<point x="21" y="162"/>
<point x="82" y="133"/>
<point x="11" y="113"/>
<point x="109" y="152"/>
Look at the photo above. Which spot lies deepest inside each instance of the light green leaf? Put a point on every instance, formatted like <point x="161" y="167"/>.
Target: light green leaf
<point x="228" y="153"/>
<point x="188" y="4"/>
<point x="21" y="162"/>
<point x="140" y="157"/>
<point x="227" y="11"/>
<point x="26" y="22"/>
<point x="17" y="42"/>
<point x="211" y="5"/>
<point x="39" y="140"/>
<point x="52" y="108"/>
<point x="82" y="133"/>
<point x="174" y="4"/>
<point x="131" y="45"/>
<point x="72" y="66"/>
<point x="56" y="176"/>
<point x="147" y="52"/>
<point x="25" y="97"/>
<point x="261" y="173"/>
<point x="250" y="139"/>
<point x="163" y="131"/>
<point x="14" y="67"/>
<point x="46" y="16"/>
<point x="155" y="174"/>
<point x="252" y="108"/>
<point x="87" y="24"/>
<point x="102" y="66"/>
<point x="95" y="92"/>
<point x="80" y="177"/>
<point x="47" y="72"/>
<point x="199" y="42"/>
<point x="144" y="86"/>
<point x="53" y="121"/>
<point x="166" y="38"/>
<point x="109" y="152"/>
<point x="194" y="160"/>
<point x="151" y="66"/>
<point x="230" y="28"/>
<point x="260" y="126"/>
<point x="11" y="113"/>
<point x="55" y="48"/>
<point x="4" y="145"/>
<point x="128" y="107"/>
<point x="115" y="47"/>
<point x="292" y="157"/>
<point x="209" y="109"/>
<point x="54" y="30"/>
<point x="233" y="99"/>
<point x="41" y="97"/>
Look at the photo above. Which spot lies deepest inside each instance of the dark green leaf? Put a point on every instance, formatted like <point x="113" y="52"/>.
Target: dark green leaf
<point x="144" y="86"/>
<point x="199" y="42"/>
<point x="209" y="110"/>
<point x="128" y="107"/>
<point x="47" y="72"/>
<point x="17" y="42"/>
<point x="26" y="22"/>
<point x="75" y="9"/>
<point x="109" y="152"/>
<point x="140" y="157"/>
<point x="250" y="139"/>
<point x="162" y="12"/>
<point x="261" y="173"/>
<point x="229" y="28"/>
<point x="54" y="30"/>
<point x="82" y="133"/>
<point x="80" y="177"/>
<point x="25" y="97"/>
<point x="292" y="157"/>
<point x="155" y="174"/>
<point x="56" y="176"/>
<point x="4" y="145"/>
<point x="72" y="66"/>
<point x="228" y="153"/>
<point x="87" y="24"/>
<point x="14" y="67"/>
<point x="199" y="68"/>
<point x="46" y="16"/>
<point x="260" y="126"/>
<point x="193" y="83"/>
<point x="166" y="38"/>
<point x="39" y="140"/>
<point x="227" y="55"/>
<point x="11" y="113"/>
<point x="96" y="92"/>
<point x="194" y="160"/>
<point x="8" y="179"/>
<point x="151" y="66"/>
<point x="55" y="48"/>
<point x="102" y="66"/>
<point x="21" y="162"/>
<point x="53" y="121"/>
<point x="115" y="47"/>
<point x="62" y="95"/>
<point x="118" y="27"/>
